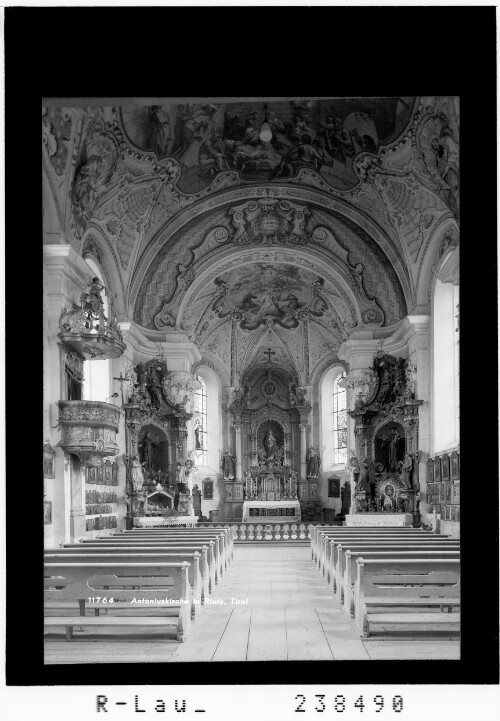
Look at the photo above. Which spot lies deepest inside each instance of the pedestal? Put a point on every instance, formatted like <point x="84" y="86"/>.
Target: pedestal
<point x="379" y="519"/>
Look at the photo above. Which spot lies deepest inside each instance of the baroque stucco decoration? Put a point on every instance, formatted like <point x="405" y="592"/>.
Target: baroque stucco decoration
<point x="98" y="161"/>
<point x="413" y="188"/>
<point x="255" y="223"/>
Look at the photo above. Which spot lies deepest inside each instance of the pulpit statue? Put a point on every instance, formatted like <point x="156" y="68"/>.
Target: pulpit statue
<point x="228" y="465"/>
<point x="313" y="461"/>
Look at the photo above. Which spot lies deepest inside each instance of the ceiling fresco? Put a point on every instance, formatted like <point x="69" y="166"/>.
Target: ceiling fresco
<point x="323" y="135"/>
<point x="260" y="291"/>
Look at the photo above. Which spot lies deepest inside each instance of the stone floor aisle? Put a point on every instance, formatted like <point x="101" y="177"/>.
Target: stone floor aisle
<point x="290" y="615"/>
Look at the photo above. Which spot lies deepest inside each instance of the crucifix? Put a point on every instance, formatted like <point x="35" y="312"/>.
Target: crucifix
<point x="269" y="353"/>
<point x="121" y="380"/>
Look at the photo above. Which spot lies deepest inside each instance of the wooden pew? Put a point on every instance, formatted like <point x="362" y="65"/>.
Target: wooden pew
<point x="335" y="532"/>
<point x="346" y="566"/>
<point x="218" y="546"/>
<point x="331" y="551"/>
<point x="197" y="580"/>
<point x="410" y="585"/>
<point x="76" y="581"/>
<point x="324" y="540"/>
<point x="223" y="536"/>
<point x="317" y="530"/>
<point x="207" y="549"/>
<point x="227" y="532"/>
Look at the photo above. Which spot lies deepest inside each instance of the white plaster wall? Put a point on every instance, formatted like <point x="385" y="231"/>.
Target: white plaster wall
<point x="445" y="373"/>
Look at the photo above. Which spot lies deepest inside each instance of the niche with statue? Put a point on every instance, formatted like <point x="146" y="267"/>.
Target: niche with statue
<point x="385" y="463"/>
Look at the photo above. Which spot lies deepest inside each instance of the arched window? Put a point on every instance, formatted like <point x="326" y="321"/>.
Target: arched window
<point x="333" y="418"/>
<point x="200" y="421"/>
<point x="339" y="421"/>
<point x="97" y="380"/>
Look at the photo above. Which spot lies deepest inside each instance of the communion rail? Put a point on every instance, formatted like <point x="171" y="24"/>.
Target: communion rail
<point x="266" y="531"/>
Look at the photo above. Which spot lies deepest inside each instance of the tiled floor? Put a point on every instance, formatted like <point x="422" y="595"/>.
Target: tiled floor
<point x="290" y="614"/>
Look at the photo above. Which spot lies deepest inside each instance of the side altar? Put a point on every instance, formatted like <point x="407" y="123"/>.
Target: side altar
<point x="385" y="465"/>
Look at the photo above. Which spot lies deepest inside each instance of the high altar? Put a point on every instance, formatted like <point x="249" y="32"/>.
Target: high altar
<point x="269" y="474"/>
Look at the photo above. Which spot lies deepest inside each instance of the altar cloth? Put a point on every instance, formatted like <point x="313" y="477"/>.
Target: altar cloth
<point x="271" y="511"/>
<point x="379" y="519"/>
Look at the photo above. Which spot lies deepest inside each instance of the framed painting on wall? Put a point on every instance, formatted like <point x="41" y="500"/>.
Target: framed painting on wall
<point x="448" y="492"/>
<point x="334" y="487"/>
<point x="430" y="471"/>
<point x="455" y="466"/>
<point x="437" y="469"/>
<point x="445" y="467"/>
<point x="455" y="493"/>
<point x="208" y="489"/>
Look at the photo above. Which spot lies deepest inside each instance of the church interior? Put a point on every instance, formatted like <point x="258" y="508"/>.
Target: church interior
<point x="251" y="378"/>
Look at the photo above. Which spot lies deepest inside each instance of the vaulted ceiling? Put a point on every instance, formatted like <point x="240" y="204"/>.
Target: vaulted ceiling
<point x="205" y="228"/>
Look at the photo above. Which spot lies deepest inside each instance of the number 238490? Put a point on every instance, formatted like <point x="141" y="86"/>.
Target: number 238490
<point x="339" y="704"/>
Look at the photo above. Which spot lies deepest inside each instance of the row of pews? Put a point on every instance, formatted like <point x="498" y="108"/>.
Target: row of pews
<point x="390" y="578"/>
<point x="149" y="578"/>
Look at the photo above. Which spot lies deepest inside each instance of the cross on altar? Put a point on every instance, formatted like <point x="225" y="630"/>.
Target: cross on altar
<point x="269" y="353"/>
<point x="121" y="380"/>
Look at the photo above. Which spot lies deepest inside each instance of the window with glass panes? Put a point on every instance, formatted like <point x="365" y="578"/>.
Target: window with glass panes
<point x="200" y="420"/>
<point x="339" y="422"/>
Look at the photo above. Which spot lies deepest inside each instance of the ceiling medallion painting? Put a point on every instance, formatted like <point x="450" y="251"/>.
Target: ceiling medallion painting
<point x="320" y="135"/>
<point x="266" y="294"/>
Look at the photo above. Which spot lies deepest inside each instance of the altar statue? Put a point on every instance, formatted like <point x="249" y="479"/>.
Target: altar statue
<point x="228" y="465"/>
<point x="408" y="471"/>
<point x="137" y="475"/>
<point x="364" y="477"/>
<point x="270" y="443"/>
<point x="180" y="477"/>
<point x="392" y="442"/>
<point x="313" y="461"/>
<point x="146" y="445"/>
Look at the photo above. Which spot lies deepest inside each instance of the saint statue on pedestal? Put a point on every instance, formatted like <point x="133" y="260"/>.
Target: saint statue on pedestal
<point x="228" y="465"/>
<point x="313" y="461"/>
<point x="137" y="476"/>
